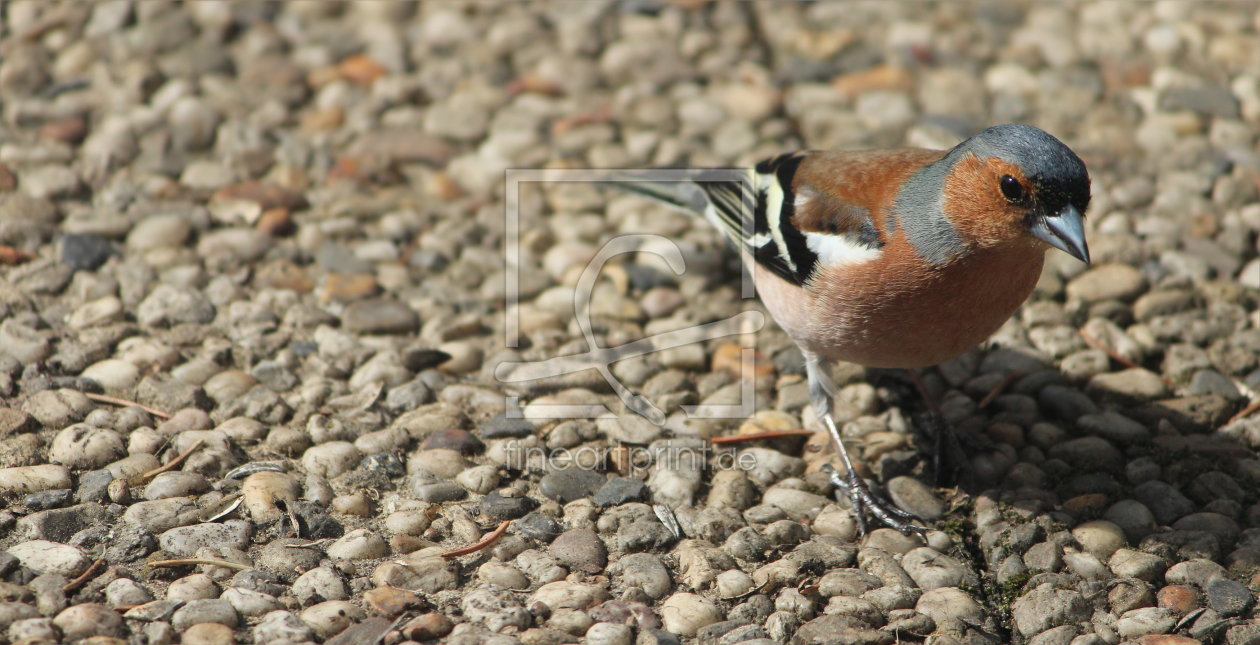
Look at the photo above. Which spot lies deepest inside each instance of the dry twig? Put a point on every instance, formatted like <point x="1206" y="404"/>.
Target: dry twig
<point x="1113" y="354"/>
<point x="1245" y="412"/>
<point x="184" y="562"/>
<point x="479" y="544"/>
<point x="999" y="389"/>
<point x="125" y="403"/>
<point x="69" y="587"/>
<point x="174" y="463"/>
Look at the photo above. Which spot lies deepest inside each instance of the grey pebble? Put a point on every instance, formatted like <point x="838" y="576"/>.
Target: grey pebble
<point x="380" y="316"/>
<point x="580" y="549"/>
<point x="431" y="491"/>
<point x="1229" y="598"/>
<point x="620" y="490"/>
<point x="1166" y="503"/>
<point x="184" y="541"/>
<point x="568" y="484"/>
<point x="915" y="498"/>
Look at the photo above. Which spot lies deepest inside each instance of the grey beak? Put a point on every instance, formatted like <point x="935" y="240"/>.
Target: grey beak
<point x="1064" y="230"/>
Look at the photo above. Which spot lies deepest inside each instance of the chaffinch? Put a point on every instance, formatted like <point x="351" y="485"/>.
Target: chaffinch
<point x="899" y="258"/>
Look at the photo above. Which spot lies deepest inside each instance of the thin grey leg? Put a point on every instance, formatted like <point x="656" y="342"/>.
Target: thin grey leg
<point x="821" y="396"/>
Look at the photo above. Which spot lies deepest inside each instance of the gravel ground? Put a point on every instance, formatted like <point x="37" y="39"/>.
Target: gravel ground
<point x="278" y="230"/>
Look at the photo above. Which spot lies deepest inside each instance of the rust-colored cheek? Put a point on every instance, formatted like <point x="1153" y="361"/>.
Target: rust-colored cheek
<point x="976" y="206"/>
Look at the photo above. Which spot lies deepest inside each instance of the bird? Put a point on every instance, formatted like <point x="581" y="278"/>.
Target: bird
<point x="892" y="258"/>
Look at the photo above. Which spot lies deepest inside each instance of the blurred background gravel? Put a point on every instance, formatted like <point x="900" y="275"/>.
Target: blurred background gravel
<point x="279" y="228"/>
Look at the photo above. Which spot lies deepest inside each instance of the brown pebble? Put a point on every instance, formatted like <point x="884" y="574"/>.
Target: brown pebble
<point x="276" y="221"/>
<point x="283" y="274"/>
<point x="324" y="120"/>
<point x="1089" y="505"/>
<point x="208" y="634"/>
<point x="8" y="180"/>
<point x="391" y="601"/>
<point x="265" y="194"/>
<point x="427" y="627"/>
<point x="119" y="492"/>
<point x="453" y="439"/>
<point x="730" y="357"/>
<point x="361" y="69"/>
<point x="1179" y="599"/>
<point x="343" y="287"/>
<point x="1167" y="639"/>
<point x="407" y="543"/>
<point x="71" y="130"/>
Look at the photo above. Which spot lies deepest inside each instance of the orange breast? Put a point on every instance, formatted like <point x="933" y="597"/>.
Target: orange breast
<point x="899" y="312"/>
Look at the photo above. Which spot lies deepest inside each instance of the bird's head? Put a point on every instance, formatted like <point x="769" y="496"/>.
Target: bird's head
<point x="1016" y="182"/>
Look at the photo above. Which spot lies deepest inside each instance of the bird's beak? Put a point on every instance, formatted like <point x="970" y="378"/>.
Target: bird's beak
<point x="1064" y="230"/>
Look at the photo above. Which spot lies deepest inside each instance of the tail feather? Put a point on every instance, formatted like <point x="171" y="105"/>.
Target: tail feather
<point x="681" y="193"/>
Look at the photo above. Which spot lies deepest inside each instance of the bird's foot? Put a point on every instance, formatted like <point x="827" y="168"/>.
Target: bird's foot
<point x="862" y="499"/>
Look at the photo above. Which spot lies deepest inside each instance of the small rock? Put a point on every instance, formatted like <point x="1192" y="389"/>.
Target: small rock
<point x="1046" y="607"/>
<point x="184" y="541"/>
<point x="569" y="484"/>
<point x="89" y="619"/>
<point x="1229" y="598"/>
<point x="1107" y="282"/>
<point x="380" y="316"/>
<point x="685" y="613"/>
<point x="915" y="498"/>
<point x="43" y="556"/>
<point x="580" y="548"/>
<point x="206" y="610"/>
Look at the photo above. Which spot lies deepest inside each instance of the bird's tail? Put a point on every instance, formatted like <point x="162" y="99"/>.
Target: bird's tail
<point x="674" y="188"/>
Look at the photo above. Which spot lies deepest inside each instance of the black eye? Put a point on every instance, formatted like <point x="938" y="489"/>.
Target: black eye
<point x="1011" y="187"/>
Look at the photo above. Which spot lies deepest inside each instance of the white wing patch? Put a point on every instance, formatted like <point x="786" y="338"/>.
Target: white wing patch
<point x="836" y="249"/>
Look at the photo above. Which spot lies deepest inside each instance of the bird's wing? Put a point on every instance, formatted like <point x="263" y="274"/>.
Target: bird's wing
<point x="793" y="212"/>
<point x="813" y="208"/>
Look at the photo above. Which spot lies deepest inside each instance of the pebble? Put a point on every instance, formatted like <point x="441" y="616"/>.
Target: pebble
<point x="380" y="316"/>
<point x="184" y="541"/>
<point x="1046" y="607"/>
<point x="931" y="569"/>
<point x="581" y="549"/>
<point x="208" y="634"/>
<point x="1100" y="538"/>
<point x="686" y="613"/>
<point x="1229" y="598"/>
<point x="82" y="446"/>
<point x="197" y="586"/>
<point x="331" y="617"/>
<point x="281" y="626"/>
<point x="644" y="571"/>
<point x="44" y="556"/>
<point x="1127" y="563"/>
<point x="319" y="584"/>
<point x="205" y="610"/>
<point x="569" y="484"/>
<point x="914" y="497"/>
<point x="609" y="634"/>
<point x="87" y="620"/>
<point x="32" y="479"/>
<point x="1107" y="282"/>
<point x="176" y="484"/>
<point x="1146" y="620"/>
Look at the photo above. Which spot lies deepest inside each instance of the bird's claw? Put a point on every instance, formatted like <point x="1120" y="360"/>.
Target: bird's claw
<point x="862" y="499"/>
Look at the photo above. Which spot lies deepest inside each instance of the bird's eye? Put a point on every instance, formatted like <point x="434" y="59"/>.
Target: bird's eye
<point x="1011" y="187"/>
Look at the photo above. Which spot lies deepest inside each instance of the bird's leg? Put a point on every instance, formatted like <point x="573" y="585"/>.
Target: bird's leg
<point x="948" y="455"/>
<point x="821" y="396"/>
